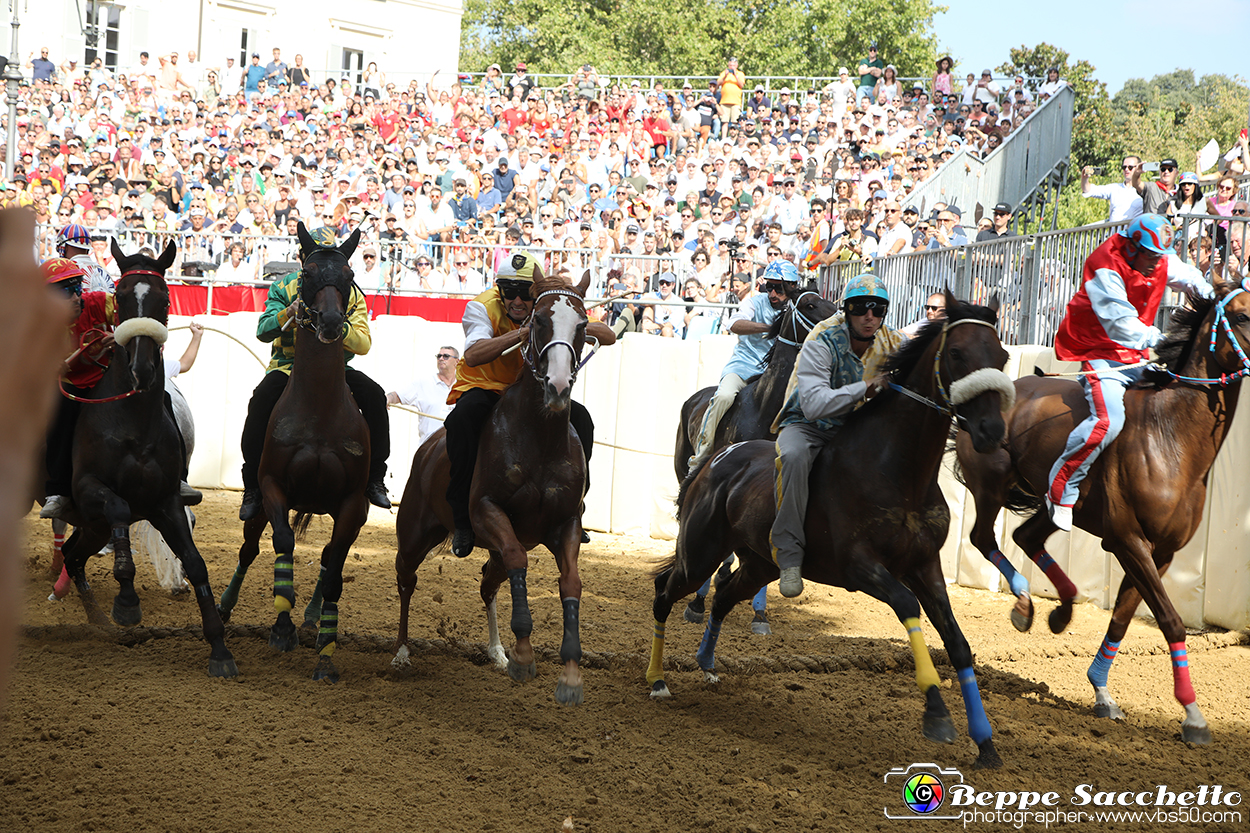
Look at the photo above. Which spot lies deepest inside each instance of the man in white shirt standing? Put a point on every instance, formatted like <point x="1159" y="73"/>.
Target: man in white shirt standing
<point x="1125" y="202"/>
<point x="428" y="393"/>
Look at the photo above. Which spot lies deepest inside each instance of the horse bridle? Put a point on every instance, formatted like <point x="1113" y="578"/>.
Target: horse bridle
<point x="961" y="390"/>
<point x="311" y="320"/>
<point x="1221" y="322"/>
<point x="796" y="317"/>
<point x="534" y="355"/>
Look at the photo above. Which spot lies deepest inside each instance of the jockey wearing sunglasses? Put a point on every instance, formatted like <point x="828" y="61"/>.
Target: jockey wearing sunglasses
<point x="828" y="383"/>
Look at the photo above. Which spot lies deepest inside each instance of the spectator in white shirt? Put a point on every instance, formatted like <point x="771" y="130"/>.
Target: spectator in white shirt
<point x="1124" y="201"/>
<point x="428" y="393"/>
<point x="237" y="268"/>
<point x="896" y="236"/>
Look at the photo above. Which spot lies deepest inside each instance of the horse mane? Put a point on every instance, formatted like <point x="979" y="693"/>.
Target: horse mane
<point x="903" y="360"/>
<point x="1182" y="333"/>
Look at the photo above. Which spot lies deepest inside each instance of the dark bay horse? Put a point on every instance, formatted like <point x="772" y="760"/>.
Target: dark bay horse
<point x="876" y="517"/>
<point x="752" y="414"/>
<point x="527" y="490"/>
<point x="316" y="456"/>
<point x="1145" y="493"/>
<point x="128" y="458"/>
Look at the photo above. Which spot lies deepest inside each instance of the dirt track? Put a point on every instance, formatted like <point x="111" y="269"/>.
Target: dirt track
<point x="121" y="730"/>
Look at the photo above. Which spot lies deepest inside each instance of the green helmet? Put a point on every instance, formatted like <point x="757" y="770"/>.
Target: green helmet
<point x="866" y="285"/>
<point x="324" y="237"/>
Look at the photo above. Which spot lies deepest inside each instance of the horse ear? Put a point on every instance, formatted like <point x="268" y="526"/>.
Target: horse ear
<point x="306" y="243"/>
<point x="118" y="254"/>
<point x="584" y="284"/>
<point x="349" y="247"/>
<point x="167" y="257"/>
<point x="994" y="303"/>
<point x="951" y="300"/>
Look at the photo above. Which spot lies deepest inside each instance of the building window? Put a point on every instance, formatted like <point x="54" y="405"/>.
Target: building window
<point x="108" y="27"/>
<point x="353" y="68"/>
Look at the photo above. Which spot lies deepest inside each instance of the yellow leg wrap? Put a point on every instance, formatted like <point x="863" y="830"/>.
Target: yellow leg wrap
<point x="328" y="650"/>
<point x="281" y="604"/>
<point x="926" y="674"/>
<point x="655" y="671"/>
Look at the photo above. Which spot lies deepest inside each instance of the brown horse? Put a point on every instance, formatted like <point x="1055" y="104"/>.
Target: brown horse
<point x="876" y="517"/>
<point x="128" y="458"/>
<point x="752" y="414"/>
<point x="527" y="490"/>
<point x="1143" y="496"/>
<point x="316" y="456"/>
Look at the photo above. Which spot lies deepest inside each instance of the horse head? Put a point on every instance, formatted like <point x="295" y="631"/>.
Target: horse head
<point x="557" y="336"/>
<point x="142" y="299"/>
<point x="807" y="309"/>
<point x="326" y="282"/>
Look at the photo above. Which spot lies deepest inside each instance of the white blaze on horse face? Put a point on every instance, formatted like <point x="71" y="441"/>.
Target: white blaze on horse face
<point x="564" y="321"/>
<point x="141" y="292"/>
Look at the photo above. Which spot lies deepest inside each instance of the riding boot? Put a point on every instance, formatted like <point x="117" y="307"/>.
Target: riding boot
<point x="252" y="443"/>
<point x="464" y="430"/>
<point x="188" y="495"/>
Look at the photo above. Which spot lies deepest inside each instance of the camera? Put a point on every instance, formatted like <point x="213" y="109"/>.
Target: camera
<point x="733" y="244"/>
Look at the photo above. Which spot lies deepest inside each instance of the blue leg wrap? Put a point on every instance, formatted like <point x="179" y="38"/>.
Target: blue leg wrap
<point x="1016" y="581"/>
<point x="1101" y="666"/>
<point x="704" y="589"/>
<point x="706" y="655"/>
<point x="978" y="724"/>
<point x="760" y="603"/>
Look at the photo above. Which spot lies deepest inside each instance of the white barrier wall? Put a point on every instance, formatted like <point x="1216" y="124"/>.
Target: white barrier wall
<point x="634" y="391"/>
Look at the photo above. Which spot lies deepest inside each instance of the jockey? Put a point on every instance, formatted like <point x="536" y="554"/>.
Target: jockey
<point x="1108" y="324"/>
<point x="280" y="307"/>
<point x="91" y="331"/>
<point x="827" y="383"/>
<point x="74" y="242"/>
<point x="753" y="319"/>
<point x="494" y="322"/>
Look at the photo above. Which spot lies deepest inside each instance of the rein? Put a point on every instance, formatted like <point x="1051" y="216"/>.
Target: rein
<point x="1221" y="322"/>
<point x="949" y="407"/>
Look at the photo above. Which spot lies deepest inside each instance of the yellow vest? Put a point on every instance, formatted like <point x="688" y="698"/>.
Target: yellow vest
<point x="503" y="371"/>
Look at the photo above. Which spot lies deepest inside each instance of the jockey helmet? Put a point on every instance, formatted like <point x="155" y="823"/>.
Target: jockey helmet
<point x="324" y="237"/>
<point x="866" y="285"/>
<point x="59" y="269"/>
<point x="520" y="266"/>
<point x="1150" y="231"/>
<point x="73" y="234"/>
<point x="781" y="270"/>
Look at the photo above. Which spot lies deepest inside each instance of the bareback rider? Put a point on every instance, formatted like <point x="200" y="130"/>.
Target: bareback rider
<point x="281" y="306"/>
<point x="74" y="242"/>
<point x="750" y="323"/>
<point x="494" y="322"/>
<point x="827" y="383"/>
<point x="91" y="332"/>
<point x="1109" y="323"/>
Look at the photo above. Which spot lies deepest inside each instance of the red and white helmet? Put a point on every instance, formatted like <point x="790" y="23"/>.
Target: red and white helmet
<point x="59" y="269"/>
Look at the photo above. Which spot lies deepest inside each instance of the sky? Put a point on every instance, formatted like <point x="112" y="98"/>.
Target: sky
<point x="1122" y="40"/>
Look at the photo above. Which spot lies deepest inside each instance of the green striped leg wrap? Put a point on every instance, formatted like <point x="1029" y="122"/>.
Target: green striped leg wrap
<point x="284" y="582"/>
<point x="329" y="630"/>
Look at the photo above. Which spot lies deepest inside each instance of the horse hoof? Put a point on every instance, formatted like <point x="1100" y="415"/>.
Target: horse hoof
<point x="659" y="691"/>
<point x="325" y="671"/>
<point x="569" y="695"/>
<point x="283" y="636"/>
<point x="521" y="673"/>
<point x="311" y="625"/>
<point x="1060" y="617"/>
<point x="1110" y="710"/>
<point x="760" y="626"/>
<point x="988" y="756"/>
<point x="223" y="668"/>
<point x="711" y="677"/>
<point x="1022" y="621"/>
<point x="938" y="728"/>
<point x="694" y="611"/>
<point x="401" y="660"/>
<point x="126" y="615"/>
<point x="1196" y="735"/>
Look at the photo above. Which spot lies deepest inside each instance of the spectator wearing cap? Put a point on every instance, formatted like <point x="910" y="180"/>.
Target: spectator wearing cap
<point x="1002" y="224"/>
<point x="253" y="74"/>
<point x="1156" y="195"/>
<point x="659" y="319"/>
<point x="463" y="206"/>
<point x="521" y="83"/>
<point x="759" y="104"/>
<point x="504" y="178"/>
<point x="371" y="277"/>
<point x="987" y="89"/>
<point x="1124" y="203"/>
<point x="946" y="231"/>
<point x="870" y="70"/>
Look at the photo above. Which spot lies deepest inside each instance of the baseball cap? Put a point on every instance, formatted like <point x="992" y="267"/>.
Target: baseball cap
<point x="1002" y="208"/>
<point x="666" y="277"/>
<point x="1168" y="163"/>
<point x="880" y="195"/>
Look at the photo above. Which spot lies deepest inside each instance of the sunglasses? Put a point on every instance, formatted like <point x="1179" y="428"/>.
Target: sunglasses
<point x="1167" y="168"/>
<point x="370" y="257"/>
<point x="443" y="356"/>
<point x="462" y="263"/>
<point x="511" y="291"/>
<point x="1239" y="212"/>
<point x="775" y="286"/>
<point x="932" y="308"/>
<point x="892" y="210"/>
<point x="877" y="308"/>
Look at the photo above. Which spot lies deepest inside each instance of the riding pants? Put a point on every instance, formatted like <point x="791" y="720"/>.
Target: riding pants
<point x="726" y="392"/>
<point x="797" y="447"/>
<point x="1104" y="392"/>
<point x="464" y="432"/>
<point x="369" y="396"/>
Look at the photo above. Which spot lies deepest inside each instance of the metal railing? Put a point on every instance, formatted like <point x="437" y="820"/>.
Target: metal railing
<point x="1010" y="172"/>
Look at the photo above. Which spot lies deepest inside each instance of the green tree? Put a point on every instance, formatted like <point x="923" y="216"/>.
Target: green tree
<point x="1173" y="116"/>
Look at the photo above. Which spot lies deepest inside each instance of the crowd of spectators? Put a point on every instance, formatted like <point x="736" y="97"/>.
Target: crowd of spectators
<point x="443" y="179"/>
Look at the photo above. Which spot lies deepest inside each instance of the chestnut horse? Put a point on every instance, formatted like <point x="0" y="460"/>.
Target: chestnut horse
<point x="128" y="458"/>
<point x="527" y="490"/>
<point x="316" y="455"/>
<point x="876" y="517"/>
<point x="1143" y="496"/>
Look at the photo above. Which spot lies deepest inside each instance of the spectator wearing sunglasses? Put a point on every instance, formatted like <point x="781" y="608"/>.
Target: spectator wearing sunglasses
<point x="1156" y="195"/>
<point x="428" y="392"/>
<point x="1123" y="200"/>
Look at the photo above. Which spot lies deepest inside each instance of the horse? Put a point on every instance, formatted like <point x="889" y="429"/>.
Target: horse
<point x="527" y="490"/>
<point x="876" y="516"/>
<point x="128" y="458"/>
<point x="1143" y="496"/>
<point x="315" y="459"/>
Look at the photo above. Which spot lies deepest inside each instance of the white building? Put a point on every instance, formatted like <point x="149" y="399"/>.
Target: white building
<point x="407" y="38"/>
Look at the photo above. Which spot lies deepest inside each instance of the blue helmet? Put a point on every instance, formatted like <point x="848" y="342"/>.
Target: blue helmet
<point x="781" y="270"/>
<point x="1150" y="231"/>
<point x="866" y="285"/>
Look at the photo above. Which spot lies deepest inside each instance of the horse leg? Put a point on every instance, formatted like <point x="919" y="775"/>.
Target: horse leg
<point x="493" y="575"/>
<point x="171" y="522"/>
<point x="351" y="517"/>
<point x="494" y="522"/>
<point x="312" y="611"/>
<point x="1031" y="537"/>
<point x="696" y="608"/>
<point x="987" y="478"/>
<point x="252" y="531"/>
<point x="282" y="636"/>
<point x="407" y="559"/>
<point x="759" y="604"/>
<point x="753" y="573"/>
<point x="567" y="547"/>
<point x="82" y="544"/>
<point x="1127" y="599"/>
<point x="930" y="589"/>
<point x="126" y="610"/>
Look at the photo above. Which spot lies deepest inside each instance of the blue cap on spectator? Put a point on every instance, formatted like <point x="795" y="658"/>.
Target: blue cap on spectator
<point x="1189" y="177"/>
<point x="880" y="195"/>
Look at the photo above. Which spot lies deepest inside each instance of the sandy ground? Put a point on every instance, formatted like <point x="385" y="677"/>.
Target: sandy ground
<point x="110" y="729"/>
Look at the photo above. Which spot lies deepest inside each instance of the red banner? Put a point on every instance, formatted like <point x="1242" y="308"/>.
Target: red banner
<point x="193" y="300"/>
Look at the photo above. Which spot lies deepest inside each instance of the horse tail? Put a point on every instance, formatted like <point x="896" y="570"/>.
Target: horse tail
<point x="300" y="525"/>
<point x="685" y="484"/>
<point x="664" y="566"/>
<point x="145" y="540"/>
<point x="1021" y="501"/>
